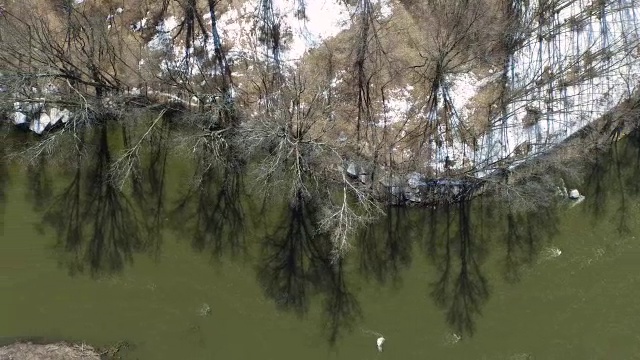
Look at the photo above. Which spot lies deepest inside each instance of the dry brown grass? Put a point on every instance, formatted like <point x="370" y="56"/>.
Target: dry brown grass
<point x="404" y="52"/>
<point x="57" y="351"/>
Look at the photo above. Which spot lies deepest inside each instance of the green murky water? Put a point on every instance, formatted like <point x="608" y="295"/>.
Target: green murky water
<point x="221" y="274"/>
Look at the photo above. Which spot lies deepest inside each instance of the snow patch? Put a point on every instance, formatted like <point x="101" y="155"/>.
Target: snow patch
<point x="161" y="41"/>
<point x="547" y="75"/>
<point x="398" y="104"/>
<point x="386" y="9"/>
<point x="324" y="20"/>
<point x="238" y="28"/>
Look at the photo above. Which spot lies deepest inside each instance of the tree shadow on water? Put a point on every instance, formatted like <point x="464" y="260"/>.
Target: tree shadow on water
<point x="341" y="307"/>
<point x="613" y="176"/>
<point x="460" y="289"/>
<point x="212" y="212"/>
<point x="632" y="148"/>
<point x="40" y="184"/>
<point x="626" y="168"/>
<point x="294" y="258"/>
<point x="597" y="185"/>
<point x="295" y="264"/>
<point x="4" y="180"/>
<point x="149" y="185"/>
<point x="525" y="235"/>
<point x="384" y="248"/>
<point x="95" y="223"/>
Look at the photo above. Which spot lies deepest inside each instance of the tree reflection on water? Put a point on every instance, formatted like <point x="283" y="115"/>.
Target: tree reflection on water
<point x="100" y="227"/>
<point x="526" y="233"/>
<point x="295" y="264"/>
<point x="4" y="179"/>
<point x="460" y="288"/>
<point x="457" y="239"/>
<point x="384" y="248"/>
<point x="614" y="174"/>
<point x="341" y="306"/>
<point x="96" y="225"/>
<point x="149" y="185"/>
<point x="212" y="212"/>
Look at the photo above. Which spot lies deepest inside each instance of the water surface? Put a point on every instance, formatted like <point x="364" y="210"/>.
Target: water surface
<point x="215" y="271"/>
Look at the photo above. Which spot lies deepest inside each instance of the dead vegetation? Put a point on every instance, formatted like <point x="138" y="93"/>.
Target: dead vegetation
<point x="56" y="351"/>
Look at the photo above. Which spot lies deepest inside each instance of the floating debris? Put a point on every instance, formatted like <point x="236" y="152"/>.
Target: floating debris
<point x="204" y="310"/>
<point x="551" y="252"/>
<point x="521" y="356"/>
<point x="452" y="338"/>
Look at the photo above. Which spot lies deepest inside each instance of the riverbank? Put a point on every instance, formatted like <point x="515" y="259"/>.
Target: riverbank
<point x="53" y="351"/>
<point x="407" y="187"/>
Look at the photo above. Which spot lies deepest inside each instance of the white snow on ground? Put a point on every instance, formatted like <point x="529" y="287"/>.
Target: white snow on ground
<point x="139" y="25"/>
<point x="49" y="119"/>
<point x="397" y="107"/>
<point x="564" y="108"/>
<point x="386" y="9"/>
<point x="338" y="78"/>
<point x="161" y="41"/>
<point x="324" y="19"/>
<point x="238" y="30"/>
<point x="463" y="88"/>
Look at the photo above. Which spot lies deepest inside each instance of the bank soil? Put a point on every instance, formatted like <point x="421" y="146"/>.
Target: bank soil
<point x="55" y="351"/>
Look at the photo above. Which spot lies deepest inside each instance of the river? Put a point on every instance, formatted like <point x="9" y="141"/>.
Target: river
<point x="219" y="273"/>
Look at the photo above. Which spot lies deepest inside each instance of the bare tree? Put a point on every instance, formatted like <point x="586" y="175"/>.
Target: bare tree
<point x="289" y="137"/>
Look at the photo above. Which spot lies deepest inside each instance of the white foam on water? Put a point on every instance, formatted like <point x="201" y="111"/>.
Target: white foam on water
<point x="551" y="253"/>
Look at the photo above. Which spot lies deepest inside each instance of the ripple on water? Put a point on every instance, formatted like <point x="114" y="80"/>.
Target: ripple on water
<point x="612" y="249"/>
